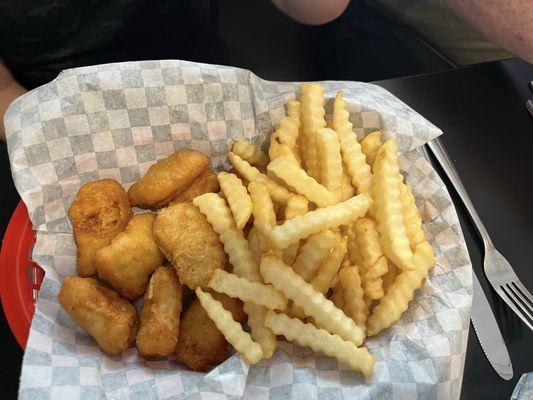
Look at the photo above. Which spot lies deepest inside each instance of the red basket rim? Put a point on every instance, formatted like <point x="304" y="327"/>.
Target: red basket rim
<point x="15" y="269"/>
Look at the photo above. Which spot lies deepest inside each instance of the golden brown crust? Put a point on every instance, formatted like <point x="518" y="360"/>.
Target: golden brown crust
<point x="160" y="316"/>
<point x="165" y="179"/>
<point x="201" y="346"/>
<point x="131" y="257"/>
<point x="189" y="242"/>
<point x="233" y="305"/>
<point x="207" y="182"/>
<point x="99" y="212"/>
<point x="111" y="320"/>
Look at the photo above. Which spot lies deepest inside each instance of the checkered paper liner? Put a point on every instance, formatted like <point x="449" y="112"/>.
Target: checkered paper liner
<point x="114" y="121"/>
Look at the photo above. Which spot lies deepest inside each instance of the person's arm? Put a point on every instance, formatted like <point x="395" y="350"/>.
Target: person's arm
<point x="508" y="23"/>
<point x="9" y="91"/>
<point x="312" y="12"/>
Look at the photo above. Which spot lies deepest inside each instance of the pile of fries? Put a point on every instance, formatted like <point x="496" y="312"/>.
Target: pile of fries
<point x="320" y="239"/>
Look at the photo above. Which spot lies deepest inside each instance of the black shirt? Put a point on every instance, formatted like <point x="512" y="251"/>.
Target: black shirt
<point x="39" y="38"/>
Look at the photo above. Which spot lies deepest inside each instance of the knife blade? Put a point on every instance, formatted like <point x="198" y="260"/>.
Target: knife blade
<point x="485" y="326"/>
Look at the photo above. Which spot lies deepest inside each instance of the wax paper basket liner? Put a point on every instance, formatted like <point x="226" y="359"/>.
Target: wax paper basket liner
<point x="114" y="121"/>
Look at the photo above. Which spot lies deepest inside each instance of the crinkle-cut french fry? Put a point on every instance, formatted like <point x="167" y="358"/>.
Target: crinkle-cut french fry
<point x="303" y="226"/>
<point x="391" y="275"/>
<point x="312" y="119"/>
<point x="330" y="160"/>
<point x="315" y="250"/>
<point x="352" y="154"/>
<point x="298" y="180"/>
<point x="254" y="242"/>
<point x="239" y="200"/>
<point x="235" y="245"/>
<point x="354" y="254"/>
<point x="250" y="351"/>
<point x="263" y="208"/>
<point x="400" y="292"/>
<point x="296" y="205"/>
<point x="370" y="146"/>
<point x="277" y="150"/>
<point x="347" y="190"/>
<point x="293" y="109"/>
<point x="234" y="286"/>
<point x="325" y="275"/>
<point x="259" y="331"/>
<point x="358" y="358"/>
<point x="372" y="282"/>
<point x="411" y="217"/>
<point x="252" y="174"/>
<point x="287" y="132"/>
<point x="313" y="303"/>
<point x="354" y="305"/>
<point x="249" y="152"/>
<point x="386" y="194"/>
<point x="337" y="296"/>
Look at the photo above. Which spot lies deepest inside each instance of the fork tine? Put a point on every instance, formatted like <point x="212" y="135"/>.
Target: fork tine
<point x="511" y="303"/>
<point x="524" y="291"/>
<point x="520" y="300"/>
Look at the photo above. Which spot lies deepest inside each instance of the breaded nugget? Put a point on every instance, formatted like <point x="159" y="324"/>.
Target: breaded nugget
<point x="165" y="179"/>
<point x="201" y="346"/>
<point x="111" y="320"/>
<point x="189" y="243"/>
<point x="133" y="255"/>
<point x="233" y="305"/>
<point x="160" y="315"/>
<point x="99" y="212"/>
<point x="207" y="182"/>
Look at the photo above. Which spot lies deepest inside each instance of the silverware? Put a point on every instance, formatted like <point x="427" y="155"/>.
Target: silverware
<point x="497" y="269"/>
<point x="486" y="328"/>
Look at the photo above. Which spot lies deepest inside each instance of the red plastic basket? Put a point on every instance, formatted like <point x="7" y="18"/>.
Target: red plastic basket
<point x="20" y="277"/>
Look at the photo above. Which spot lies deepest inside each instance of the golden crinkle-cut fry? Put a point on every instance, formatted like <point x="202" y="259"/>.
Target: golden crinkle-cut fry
<point x="354" y="305"/>
<point x="352" y="154"/>
<point x="386" y="194"/>
<point x="330" y="160"/>
<point x="250" y="351"/>
<point x="389" y="278"/>
<point x="278" y="149"/>
<point x="232" y="285"/>
<point x="411" y="217"/>
<point x="337" y="296"/>
<point x="401" y="292"/>
<point x="249" y="152"/>
<point x="354" y="254"/>
<point x="254" y="242"/>
<point x="238" y="198"/>
<point x="252" y="174"/>
<point x="298" y="180"/>
<point x="303" y="226"/>
<point x="296" y="205"/>
<point x="327" y="272"/>
<point x="294" y="109"/>
<point x="315" y="250"/>
<point x="286" y="134"/>
<point x="312" y="109"/>
<point x="264" y="215"/>
<point x="313" y="303"/>
<point x="235" y="245"/>
<point x="347" y="190"/>
<point x="370" y="146"/>
<point x="359" y="359"/>
<point x="260" y="333"/>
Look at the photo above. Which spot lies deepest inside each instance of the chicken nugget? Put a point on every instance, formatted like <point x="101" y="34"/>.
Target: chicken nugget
<point x="111" y="320"/>
<point x="201" y="346"/>
<point x="207" y="182"/>
<point x="165" y="179"/>
<point x="160" y="315"/>
<point x="189" y="243"/>
<point x="133" y="255"/>
<point x="99" y="212"/>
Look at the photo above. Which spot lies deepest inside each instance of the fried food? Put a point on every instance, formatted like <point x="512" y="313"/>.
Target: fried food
<point x="99" y="212"/>
<point x="201" y="346"/>
<point x="111" y="320"/>
<point x="250" y="152"/>
<point x="131" y="257"/>
<point x="329" y="160"/>
<point x="165" y="179"/>
<point x="189" y="243"/>
<point x="233" y="305"/>
<point x="237" y="196"/>
<point x="160" y="315"/>
<point x="206" y="182"/>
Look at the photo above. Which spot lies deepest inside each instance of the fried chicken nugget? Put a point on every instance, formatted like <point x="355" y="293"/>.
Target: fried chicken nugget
<point x="99" y="212"/>
<point x="160" y="315"/>
<point x="111" y="320"/>
<point x="207" y="182"/>
<point x="165" y="179"/>
<point x="189" y="243"/>
<point x="201" y="346"/>
<point x="133" y="255"/>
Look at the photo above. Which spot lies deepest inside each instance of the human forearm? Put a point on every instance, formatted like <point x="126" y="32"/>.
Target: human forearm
<point x="508" y="23"/>
<point x="312" y="12"/>
<point x="9" y="91"/>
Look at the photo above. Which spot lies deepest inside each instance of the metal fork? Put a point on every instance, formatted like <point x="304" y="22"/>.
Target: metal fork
<point x="497" y="269"/>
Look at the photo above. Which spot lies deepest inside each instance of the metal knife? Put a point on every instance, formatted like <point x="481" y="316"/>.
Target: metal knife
<point x="485" y="326"/>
